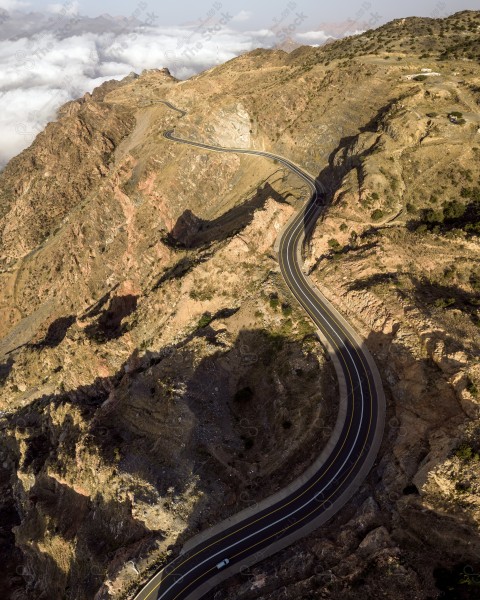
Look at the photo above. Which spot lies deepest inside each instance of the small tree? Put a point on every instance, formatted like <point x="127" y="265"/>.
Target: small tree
<point x="444" y="302"/>
<point x="204" y="320"/>
<point x="472" y="387"/>
<point x="430" y="215"/>
<point x="274" y="301"/>
<point x="334" y="245"/>
<point x="453" y="210"/>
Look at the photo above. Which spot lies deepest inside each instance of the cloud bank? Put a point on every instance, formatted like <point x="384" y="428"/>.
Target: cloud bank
<point x="50" y="58"/>
<point x="12" y="4"/>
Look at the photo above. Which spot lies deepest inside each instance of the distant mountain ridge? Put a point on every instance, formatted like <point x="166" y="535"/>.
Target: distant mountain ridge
<point x="156" y="375"/>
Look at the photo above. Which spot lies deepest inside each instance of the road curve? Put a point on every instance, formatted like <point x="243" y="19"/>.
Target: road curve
<point x="350" y="454"/>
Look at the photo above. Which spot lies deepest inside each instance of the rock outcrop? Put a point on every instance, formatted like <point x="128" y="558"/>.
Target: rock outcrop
<point x="155" y="373"/>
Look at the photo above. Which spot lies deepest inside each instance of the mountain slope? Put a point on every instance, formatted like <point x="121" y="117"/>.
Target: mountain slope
<point x="155" y="373"/>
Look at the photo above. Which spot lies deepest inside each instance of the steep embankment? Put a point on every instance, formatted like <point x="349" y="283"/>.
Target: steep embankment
<point x="154" y="370"/>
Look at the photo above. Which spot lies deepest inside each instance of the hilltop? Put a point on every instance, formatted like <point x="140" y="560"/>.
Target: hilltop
<point x="155" y="373"/>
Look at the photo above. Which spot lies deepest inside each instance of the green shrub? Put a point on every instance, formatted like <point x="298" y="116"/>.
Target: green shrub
<point x="352" y="240"/>
<point x="474" y="281"/>
<point x="334" y="245"/>
<point x="202" y="295"/>
<point x="453" y="210"/>
<point x="466" y="453"/>
<point x="420" y="78"/>
<point x="430" y="215"/>
<point x="444" y="302"/>
<point x="205" y="320"/>
<point x="377" y="215"/>
<point x="274" y="301"/>
<point x="449" y="273"/>
<point x="472" y="387"/>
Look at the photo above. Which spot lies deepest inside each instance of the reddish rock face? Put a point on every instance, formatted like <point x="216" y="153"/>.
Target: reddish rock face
<point x="155" y="374"/>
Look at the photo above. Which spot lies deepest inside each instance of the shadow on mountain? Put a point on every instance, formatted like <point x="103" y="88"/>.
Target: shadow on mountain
<point x="357" y="249"/>
<point x="171" y="432"/>
<point x="56" y="333"/>
<point x="331" y="176"/>
<point x="91" y="524"/>
<point x="191" y="231"/>
<point x="204" y="329"/>
<point x="460" y="582"/>
<point x="373" y="125"/>
<point x="182" y="267"/>
<point x="366" y="283"/>
<point x="140" y="422"/>
<point x="339" y="164"/>
<point x="350" y="251"/>
<point x="94" y="310"/>
<point x="10" y="557"/>
<point x="342" y="160"/>
<point x="428" y="296"/>
<point x="451" y="216"/>
<point x="427" y="543"/>
<point x="446" y="296"/>
<point x="5" y="369"/>
<point x="109" y="324"/>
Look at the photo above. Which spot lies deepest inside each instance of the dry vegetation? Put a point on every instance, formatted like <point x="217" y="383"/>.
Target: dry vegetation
<point x="154" y="371"/>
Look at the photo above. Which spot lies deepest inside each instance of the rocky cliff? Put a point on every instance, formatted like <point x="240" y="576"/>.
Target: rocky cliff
<point x="155" y="374"/>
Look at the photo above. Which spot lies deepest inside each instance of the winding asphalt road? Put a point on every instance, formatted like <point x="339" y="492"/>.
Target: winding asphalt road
<point x="350" y="454"/>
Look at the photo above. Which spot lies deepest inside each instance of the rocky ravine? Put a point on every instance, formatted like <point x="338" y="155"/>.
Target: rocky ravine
<point x="155" y="376"/>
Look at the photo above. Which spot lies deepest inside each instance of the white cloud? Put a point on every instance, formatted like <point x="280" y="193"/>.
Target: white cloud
<point x="243" y="15"/>
<point x="40" y="73"/>
<point x="45" y="63"/>
<point x="24" y="114"/>
<point x="13" y="4"/>
<point x="313" y="36"/>
<point x="261" y="33"/>
<point x="356" y="32"/>
<point x="68" y="8"/>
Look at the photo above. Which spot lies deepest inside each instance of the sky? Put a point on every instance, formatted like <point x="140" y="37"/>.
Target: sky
<point x="52" y="51"/>
<point x="175" y="13"/>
